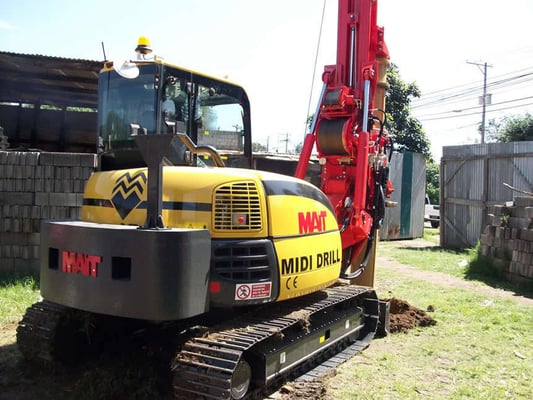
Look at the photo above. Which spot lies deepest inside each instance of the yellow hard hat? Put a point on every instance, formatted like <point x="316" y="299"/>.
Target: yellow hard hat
<point x="143" y="45"/>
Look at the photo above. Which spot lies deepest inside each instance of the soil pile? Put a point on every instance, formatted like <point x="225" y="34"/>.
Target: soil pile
<point x="404" y="316"/>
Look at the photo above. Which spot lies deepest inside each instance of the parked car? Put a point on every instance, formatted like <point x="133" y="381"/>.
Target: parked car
<point x="432" y="213"/>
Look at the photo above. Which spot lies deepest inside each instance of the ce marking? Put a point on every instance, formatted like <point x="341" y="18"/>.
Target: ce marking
<point x="291" y="283"/>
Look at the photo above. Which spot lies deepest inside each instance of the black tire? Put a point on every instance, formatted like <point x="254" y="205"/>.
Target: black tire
<point x="435" y="224"/>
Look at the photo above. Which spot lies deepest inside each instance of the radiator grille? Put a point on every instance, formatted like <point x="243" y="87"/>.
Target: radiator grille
<point x="237" y="207"/>
<point x="248" y="261"/>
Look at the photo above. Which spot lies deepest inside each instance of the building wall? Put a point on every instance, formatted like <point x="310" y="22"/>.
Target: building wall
<point x="35" y="186"/>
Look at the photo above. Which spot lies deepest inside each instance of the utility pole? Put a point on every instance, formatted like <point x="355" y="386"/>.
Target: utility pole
<point x="484" y="98"/>
<point x="286" y="140"/>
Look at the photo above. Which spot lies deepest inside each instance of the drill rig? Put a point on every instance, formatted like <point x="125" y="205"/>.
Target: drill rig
<point x="269" y="265"/>
<point x="351" y="149"/>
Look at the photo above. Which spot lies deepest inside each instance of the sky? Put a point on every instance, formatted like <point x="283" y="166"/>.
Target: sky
<point x="272" y="50"/>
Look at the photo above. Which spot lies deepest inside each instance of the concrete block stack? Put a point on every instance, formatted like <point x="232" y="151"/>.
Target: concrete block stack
<point x="508" y="238"/>
<point x="36" y="186"/>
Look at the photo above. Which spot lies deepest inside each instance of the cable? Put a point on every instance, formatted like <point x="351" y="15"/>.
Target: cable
<point x="316" y="62"/>
<point x="475" y="107"/>
<point x="523" y="76"/>
<point x="460" y="115"/>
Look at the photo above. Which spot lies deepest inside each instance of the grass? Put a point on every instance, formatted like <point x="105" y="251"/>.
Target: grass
<point x="17" y="292"/>
<point x="480" y="348"/>
<point x="430" y="258"/>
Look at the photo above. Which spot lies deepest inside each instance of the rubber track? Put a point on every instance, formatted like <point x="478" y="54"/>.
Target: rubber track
<point x="36" y="331"/>
<point x="205" y="365"/>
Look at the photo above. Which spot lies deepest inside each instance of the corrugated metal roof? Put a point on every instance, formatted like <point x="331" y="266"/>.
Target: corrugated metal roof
<point x="38" y="79"/>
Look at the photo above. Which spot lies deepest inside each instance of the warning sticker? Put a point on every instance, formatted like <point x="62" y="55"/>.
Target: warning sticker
<point x="253" y="291"/>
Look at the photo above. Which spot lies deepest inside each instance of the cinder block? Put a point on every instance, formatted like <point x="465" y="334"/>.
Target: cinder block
<point x="63" y="199"/>
<point x="66" y="172"/>
<point x="79" y="199"/>
<point x="48" y="172"/>
<point x="16" y="226"/>
<point x="485" y="239"/>
<point x="42" y="199"/>
<point x="523" y="201"/>
<point x="86" y="173"/>
<point x="67" y="185"/>
<point x="35" y="252"/>
<point x="45" y="211"/>
<point x="27" y="227"/>
<point x="16" y="198"/>
<point x="34" y="239"/>
<point x="58" y="186"/>
<point x="74" y="213"/>
<point x="48" y="185"/>
<point x="13" y="157"/>
<point x="29" y="185"/>
<point x="518" y="223"/>
<point x="89" y="160"/>
<point x="32" y="158"/>
<point x="67" y="159"/>
<point x="78" y="186"/>
<point x="5" y="225"/>
<point x="7" y="264"/>
<point x="46" y="159"/>
<point x="7" y="251"/>
<point x="500" y="210"/>
<point x="29" y="266"/>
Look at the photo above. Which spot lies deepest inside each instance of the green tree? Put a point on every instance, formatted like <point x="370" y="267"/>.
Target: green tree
<point x="433" y="182"/>
<point x="406" y="130"/>
<point x="515" y="128"/>
<point x="258" y="147"/>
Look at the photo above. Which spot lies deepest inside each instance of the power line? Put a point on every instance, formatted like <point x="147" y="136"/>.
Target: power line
<point x="466" y="95"/>
<point x="461" y="115"/>
<point x="471" y="108"/>
<point x="522" y="76"/>
<point x="472" y="85"/>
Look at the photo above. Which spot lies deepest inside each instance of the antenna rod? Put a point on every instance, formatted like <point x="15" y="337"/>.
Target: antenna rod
<point x="103" y="50"/>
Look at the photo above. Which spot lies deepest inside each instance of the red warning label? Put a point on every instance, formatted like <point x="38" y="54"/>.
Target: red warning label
<point x="253" y="291"/>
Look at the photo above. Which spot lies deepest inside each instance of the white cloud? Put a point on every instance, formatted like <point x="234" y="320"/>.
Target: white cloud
<point x="4" y="25"/>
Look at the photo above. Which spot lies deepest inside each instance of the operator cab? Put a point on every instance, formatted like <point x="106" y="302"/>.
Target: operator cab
<point x="153" y="97"/>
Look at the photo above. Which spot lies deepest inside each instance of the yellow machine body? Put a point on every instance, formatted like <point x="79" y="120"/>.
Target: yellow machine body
<point x="233" y="204"/>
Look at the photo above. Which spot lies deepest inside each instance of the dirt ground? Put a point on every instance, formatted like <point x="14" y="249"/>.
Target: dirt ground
<point x="18" y="381"/>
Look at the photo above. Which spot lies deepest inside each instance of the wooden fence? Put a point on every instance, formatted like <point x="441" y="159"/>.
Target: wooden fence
<point x="474" y="177"/>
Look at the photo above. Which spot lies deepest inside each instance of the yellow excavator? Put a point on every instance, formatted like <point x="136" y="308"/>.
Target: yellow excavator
<point x="177" y="227"/>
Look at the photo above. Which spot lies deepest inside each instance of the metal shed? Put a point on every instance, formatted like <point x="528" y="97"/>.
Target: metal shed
<point x="408" y="176"/>
<point x="48" y="103"/>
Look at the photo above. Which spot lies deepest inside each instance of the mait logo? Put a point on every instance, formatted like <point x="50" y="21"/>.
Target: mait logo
<point x="127" y="192"/>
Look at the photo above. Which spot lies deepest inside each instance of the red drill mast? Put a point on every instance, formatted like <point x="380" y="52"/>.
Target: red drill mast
<point x="349" y="134"/>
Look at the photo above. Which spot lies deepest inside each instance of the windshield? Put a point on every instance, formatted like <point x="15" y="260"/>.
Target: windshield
<point x="123" y="103"/>
<point x="166" y="100"/>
